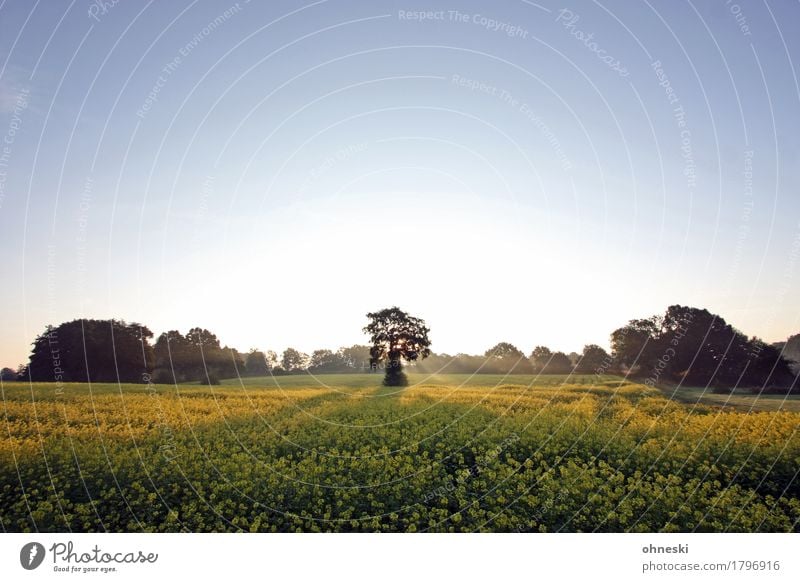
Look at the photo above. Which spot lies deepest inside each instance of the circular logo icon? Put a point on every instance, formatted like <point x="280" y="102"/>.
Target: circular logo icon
<point x="31" y="555"/>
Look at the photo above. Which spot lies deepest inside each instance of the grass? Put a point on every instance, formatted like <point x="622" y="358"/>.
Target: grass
<point x="375" y="380"/>
<point x="740" y="400"/>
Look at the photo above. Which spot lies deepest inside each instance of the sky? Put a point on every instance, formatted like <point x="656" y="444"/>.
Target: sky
<point x="538" y="173"/>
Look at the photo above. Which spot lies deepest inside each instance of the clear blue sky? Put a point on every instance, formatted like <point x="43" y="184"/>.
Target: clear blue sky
<point x="534" y="173"/>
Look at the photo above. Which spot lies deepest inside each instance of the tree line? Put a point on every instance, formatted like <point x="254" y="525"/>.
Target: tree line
<point x="99" y="350"/>
<point x="684" y="345"/>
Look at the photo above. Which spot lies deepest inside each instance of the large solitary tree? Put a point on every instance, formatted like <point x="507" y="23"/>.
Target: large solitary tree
<point x="396" y="336"/>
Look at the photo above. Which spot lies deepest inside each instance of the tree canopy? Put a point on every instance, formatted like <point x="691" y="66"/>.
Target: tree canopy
<point x="545" y="361"/>
<point x="396" y="336"/>
<point x="194" y="356"/>
<point x="326" y="362"/>
<point x="92" y="350"/>
<point x="8" y="375"/>
<point x="257" y="363"/>
<point x="293" y="360"/>
<point x="505" y="358"/>
<point x="697" y="348"/>
<point x="593" y="360"/>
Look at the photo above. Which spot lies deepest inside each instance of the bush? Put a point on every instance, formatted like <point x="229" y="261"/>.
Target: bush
<point x="210" y="379"/>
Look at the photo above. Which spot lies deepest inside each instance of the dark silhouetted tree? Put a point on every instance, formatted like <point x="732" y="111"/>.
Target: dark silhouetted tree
<point x="698" y="348"/>
<point x="504" y="358"/>
<point x="196" y="356"/>
<point x="293" y="360"/>
<point x="396" y="336"/>
<point x="768" y="369"/>
<point x="22" y="372"/>
<point x="8" y="375"/>
<point x="547" y="362"/>
<point x="326" y="362"/>
<point x="790" y="349"/>
<point x="504" y="350"/>
<point x="357" y="357"/>
<point x="540" y="356"/>
<point x="635" y="346"/>
<point x="256" y="363"/>
<point x="92" y="350"/>
<point x="594" y="360"/>
<point x="559" y="364"/>
<point x="174" y="361"/>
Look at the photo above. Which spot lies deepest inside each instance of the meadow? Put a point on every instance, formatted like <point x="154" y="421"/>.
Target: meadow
<point x="447" y="454"/>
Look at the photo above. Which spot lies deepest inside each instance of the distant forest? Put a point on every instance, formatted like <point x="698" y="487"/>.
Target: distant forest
<point x="685" y="345"/>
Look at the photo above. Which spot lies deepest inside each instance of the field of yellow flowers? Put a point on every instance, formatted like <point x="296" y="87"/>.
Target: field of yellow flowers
<point x="343" y="454"/>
